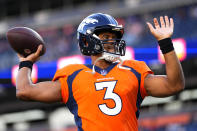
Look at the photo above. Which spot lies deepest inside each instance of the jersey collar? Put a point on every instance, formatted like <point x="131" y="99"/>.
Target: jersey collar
<point x="102" y="71"/>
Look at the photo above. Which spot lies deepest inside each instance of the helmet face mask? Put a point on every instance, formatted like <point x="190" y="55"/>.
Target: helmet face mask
<point x="117" y="45"/>
<point x="91" y="27"/>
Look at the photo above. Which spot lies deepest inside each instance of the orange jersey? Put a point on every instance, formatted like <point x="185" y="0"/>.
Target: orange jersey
<point x="108" y="100"/>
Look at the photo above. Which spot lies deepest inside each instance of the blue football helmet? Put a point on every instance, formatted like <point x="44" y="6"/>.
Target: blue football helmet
<point x="89" y="29"/>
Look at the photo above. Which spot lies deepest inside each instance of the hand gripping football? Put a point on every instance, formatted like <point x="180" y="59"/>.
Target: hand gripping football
<point x="25" y="41"/>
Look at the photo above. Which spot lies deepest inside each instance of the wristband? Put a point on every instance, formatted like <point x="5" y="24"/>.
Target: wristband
<point x="166" y="45"/>
<point x="27" y="64"/>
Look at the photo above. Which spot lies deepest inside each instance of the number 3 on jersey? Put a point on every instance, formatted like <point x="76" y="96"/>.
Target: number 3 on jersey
<point x="109" y="94"/>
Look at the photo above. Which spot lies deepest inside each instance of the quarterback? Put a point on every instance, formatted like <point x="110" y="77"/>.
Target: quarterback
<point x="105" y="95"/>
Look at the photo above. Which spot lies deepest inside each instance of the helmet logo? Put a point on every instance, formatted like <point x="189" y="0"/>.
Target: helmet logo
<point x="86" y="22"/>
<point x="90" y="20"/>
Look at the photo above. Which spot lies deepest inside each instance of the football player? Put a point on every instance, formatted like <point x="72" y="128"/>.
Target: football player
<point x="105" y="95"/>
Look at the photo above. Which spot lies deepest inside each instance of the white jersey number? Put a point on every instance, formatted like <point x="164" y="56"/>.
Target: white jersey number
<point x="109" y="94"/>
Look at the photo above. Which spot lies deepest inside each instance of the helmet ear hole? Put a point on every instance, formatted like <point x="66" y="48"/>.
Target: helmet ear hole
<point x="86" y="43"/>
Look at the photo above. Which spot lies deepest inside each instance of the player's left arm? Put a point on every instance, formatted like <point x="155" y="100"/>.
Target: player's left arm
<point x="173" y="81"/>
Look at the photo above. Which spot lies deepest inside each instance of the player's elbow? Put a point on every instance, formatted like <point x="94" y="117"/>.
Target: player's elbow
<point x="181" y="86"/>
<point x="178" y="87"/>
<point x="23" y="94"/>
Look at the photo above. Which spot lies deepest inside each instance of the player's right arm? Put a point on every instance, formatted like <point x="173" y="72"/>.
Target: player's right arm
<point x="49" y="91"/>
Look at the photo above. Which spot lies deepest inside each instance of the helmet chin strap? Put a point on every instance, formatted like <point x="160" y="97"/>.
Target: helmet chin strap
<point x="111" y="58"/>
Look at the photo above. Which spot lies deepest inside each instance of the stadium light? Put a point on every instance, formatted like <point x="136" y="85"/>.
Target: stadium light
<point x="64" y="61"/>
<point x="34" y="74"/>
<point x="129" y="55"/>
<point x="180" y="48"/>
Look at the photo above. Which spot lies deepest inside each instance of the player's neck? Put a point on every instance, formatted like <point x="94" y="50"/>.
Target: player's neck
<point x="103" y="64"/>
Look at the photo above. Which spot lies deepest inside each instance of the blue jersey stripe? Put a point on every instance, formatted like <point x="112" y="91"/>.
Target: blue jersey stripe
<point x="139" y="97"/>
<point x="72" y="104"/>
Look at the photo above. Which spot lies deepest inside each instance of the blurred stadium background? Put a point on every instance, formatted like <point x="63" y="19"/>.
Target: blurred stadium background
<point x="57" y="20"/>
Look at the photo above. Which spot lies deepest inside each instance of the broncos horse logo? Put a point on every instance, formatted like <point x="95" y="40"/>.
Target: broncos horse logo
<point x="86" y="22"/>
<point x="90" y="20"/>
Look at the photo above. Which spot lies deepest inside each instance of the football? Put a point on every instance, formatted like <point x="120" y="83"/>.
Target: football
<point x="25" y="41"/>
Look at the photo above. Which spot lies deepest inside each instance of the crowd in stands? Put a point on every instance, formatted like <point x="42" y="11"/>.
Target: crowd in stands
<point x="177" y="122"/>
<point x="174" y="127"/>
<point x="63" y="41"/>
